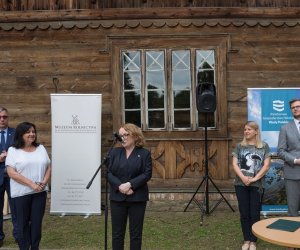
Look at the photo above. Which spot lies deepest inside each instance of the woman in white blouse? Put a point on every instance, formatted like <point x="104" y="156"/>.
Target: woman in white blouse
<point x="28" y="166"/>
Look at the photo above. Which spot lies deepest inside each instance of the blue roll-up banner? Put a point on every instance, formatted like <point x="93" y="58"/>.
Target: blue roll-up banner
<point x="269" y="107"/>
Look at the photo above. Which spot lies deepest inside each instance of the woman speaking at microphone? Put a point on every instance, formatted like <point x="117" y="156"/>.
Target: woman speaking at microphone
<point x="129" y="170"/>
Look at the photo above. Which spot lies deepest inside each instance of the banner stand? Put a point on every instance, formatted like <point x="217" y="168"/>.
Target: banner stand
<point x="269" y="107"/>
<point x="76" y="153"/>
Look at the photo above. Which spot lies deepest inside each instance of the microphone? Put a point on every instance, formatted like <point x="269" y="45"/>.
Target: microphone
<point x="118" y="137"/>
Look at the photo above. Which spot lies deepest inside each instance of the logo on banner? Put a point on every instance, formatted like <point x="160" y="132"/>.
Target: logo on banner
<point x="278" y="105"/>
<point x="274" y="113"/>
<point x="75" y="120"/>
<point x="75" y="127"/>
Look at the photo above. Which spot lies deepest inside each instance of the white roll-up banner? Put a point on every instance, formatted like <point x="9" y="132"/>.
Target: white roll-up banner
<point x="76" y="153"/>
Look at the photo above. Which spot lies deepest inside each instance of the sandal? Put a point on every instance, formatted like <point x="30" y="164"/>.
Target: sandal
<point x="252" y="246"/>
<point x="246" y="245"/>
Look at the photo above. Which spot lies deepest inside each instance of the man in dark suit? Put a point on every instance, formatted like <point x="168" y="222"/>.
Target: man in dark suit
<point x="289" y="152"/>
<point x="6" y="140"/>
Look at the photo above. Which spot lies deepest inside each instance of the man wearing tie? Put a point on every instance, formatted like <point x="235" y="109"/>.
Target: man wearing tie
<point x="289" y="152"/>
<point x="6" y="140"/>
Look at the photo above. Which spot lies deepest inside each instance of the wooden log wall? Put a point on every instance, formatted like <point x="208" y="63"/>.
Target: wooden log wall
<point x="75" y="58"/>
<point x="23" y="5"/>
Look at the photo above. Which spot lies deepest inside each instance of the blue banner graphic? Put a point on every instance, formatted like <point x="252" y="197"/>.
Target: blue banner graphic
<point x="269" y="107"/>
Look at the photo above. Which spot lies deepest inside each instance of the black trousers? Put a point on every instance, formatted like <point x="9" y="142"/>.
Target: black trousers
<point x="135" y="212"/>
<point x="30" y="212"/>
<point x="6" y="187"/>
<point x="249" y="200"/>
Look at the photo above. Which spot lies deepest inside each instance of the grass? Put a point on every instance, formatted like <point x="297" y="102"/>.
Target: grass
<point x="166" y="227"/>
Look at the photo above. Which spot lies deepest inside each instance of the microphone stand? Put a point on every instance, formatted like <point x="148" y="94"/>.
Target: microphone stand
<point x="104" y="163"/>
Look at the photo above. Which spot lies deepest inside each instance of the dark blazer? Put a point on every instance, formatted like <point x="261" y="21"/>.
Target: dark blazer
<point x="8" y="143"/>
<point x="289" y="150"/>
<point x="137" y="169"/>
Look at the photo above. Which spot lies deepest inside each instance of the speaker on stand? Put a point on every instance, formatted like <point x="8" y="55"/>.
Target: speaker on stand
<point x="206" y="98"/>
<point x="206" y="103"/>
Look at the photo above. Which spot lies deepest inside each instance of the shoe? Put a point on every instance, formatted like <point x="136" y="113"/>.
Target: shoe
<point x="246" y="245"/>
<point x="252" y="246"/>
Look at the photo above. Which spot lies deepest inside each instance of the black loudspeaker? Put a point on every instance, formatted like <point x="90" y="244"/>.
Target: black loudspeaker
<point x="206" y="97"/>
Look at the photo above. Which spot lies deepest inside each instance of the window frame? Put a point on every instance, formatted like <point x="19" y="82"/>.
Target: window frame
<point x="219" y="43"/>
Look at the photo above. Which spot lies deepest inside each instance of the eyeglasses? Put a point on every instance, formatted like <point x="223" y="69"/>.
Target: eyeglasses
<point x="124" y="135"/>
<point x="4" y="117"/>
<point x="295" y="107"/>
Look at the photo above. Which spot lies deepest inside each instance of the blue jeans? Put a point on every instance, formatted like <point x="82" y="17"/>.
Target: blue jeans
<point x="249" y="200"/>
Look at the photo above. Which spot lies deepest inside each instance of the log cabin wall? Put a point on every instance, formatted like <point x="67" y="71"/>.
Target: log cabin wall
<point x="13" y="5"/>
<point x="78" y="51"/>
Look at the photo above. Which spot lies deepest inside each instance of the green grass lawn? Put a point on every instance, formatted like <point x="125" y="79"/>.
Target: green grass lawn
<point x="166" y="227"/>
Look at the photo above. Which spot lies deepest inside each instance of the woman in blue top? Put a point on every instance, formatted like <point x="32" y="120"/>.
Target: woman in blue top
<point x="250" y="161"/>
<point x="130" y="168"/>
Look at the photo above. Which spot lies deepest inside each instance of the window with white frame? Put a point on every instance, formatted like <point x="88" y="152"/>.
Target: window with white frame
<point x="158" y="87"/>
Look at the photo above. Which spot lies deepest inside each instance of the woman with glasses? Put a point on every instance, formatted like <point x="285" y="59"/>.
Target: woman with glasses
<point x="130" y="168"/>
<point x="6" y="140"/>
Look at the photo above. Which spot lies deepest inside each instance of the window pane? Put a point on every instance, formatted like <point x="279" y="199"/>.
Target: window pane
<point x="131" y="61"/>
<point x="206" y="77"/>
<point x="156" y="99"/>
<point x="205" y="66"/>
<point x="132" y="86"/>
<point x="155" y="60"/>
<point x="132" y="80"/>
<point x="181" y="87"/>
<point x="156" y="87"/>
<point x="132" y="100"/>
<point x="205" y="59"/>
<point x="181" y="79"/>
<point x="181" y="99"/>
<point x="156" y="119"/>
<point x="181" y="60"/>
<point x="133" y="117"/>
<point x="155" y="80"/>
<point x="182" y="119"/>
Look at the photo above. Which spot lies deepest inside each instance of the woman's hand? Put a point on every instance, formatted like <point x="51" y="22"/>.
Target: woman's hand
<point x="125" y="187"/>
<point x="246" y="180"/>
<point x="3" y="156"/>
<point x="41" y="184"/>
<point x="37" y="186"/>
<point x="130" y="192"/>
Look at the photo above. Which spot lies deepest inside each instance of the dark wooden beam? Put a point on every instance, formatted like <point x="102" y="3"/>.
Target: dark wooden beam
<point x="150" y="13"/>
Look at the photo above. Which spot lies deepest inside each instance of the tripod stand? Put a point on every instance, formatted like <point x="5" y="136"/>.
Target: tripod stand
<point x="204" y="206"/>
